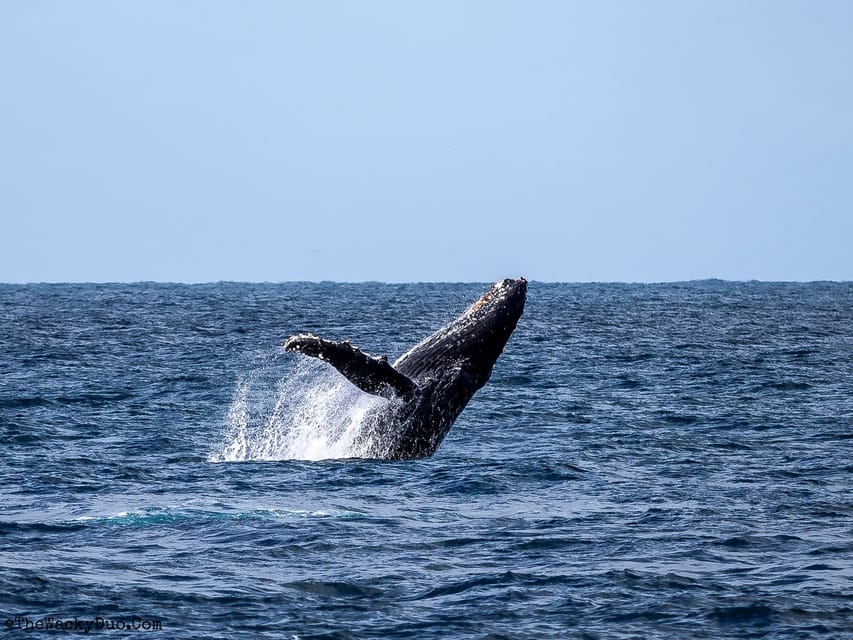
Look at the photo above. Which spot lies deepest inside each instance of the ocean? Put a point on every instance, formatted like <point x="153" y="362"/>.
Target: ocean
<point x="647" y="461"/>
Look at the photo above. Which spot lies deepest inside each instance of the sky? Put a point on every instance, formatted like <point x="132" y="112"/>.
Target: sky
<point x="199" y="141"/>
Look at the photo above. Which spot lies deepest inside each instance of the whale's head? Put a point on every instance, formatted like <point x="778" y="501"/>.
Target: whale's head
<point x="485" y="327"/>
<point x="504" y="300"/>
<point x="468" y="347"/>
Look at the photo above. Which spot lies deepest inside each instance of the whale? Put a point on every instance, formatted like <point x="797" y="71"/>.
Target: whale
<point x="427" y="387"/>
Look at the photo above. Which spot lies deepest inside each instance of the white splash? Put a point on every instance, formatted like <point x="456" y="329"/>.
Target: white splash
<point x="312" y="413"/>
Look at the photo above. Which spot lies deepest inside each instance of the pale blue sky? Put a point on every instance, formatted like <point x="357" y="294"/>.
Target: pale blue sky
<point x="447" y="141"/>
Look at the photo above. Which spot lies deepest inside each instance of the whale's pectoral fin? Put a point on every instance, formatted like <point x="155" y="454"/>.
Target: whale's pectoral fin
<point x="373" y="375"/>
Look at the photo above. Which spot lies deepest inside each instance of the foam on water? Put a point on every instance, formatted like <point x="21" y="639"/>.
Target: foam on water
<point x="309" y="413"/>
<point x="155" y="515"/>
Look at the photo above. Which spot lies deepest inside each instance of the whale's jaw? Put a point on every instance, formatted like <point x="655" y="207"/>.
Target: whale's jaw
<point x="474" y="340"/>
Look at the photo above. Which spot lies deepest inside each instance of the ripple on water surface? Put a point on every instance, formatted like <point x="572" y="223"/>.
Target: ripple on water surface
<point x="648" y="461"/>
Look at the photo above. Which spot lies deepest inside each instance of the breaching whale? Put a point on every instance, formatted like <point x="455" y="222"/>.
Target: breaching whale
<point x="429" y="386"/>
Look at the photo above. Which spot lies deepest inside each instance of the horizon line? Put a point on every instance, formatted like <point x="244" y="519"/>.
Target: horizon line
<point x="406" y="282"/>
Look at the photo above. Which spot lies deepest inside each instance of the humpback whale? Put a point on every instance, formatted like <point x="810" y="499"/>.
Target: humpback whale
<point x="428" y="386"/>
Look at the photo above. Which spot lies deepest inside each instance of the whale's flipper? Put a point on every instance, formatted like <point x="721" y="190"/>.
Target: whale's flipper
<point x="373" y="375"/>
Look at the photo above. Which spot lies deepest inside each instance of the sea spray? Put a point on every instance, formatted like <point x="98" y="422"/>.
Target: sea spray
<point x="306" y="412"/>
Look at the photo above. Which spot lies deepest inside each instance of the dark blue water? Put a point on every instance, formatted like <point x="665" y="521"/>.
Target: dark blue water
<point x="648" y="461"/>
